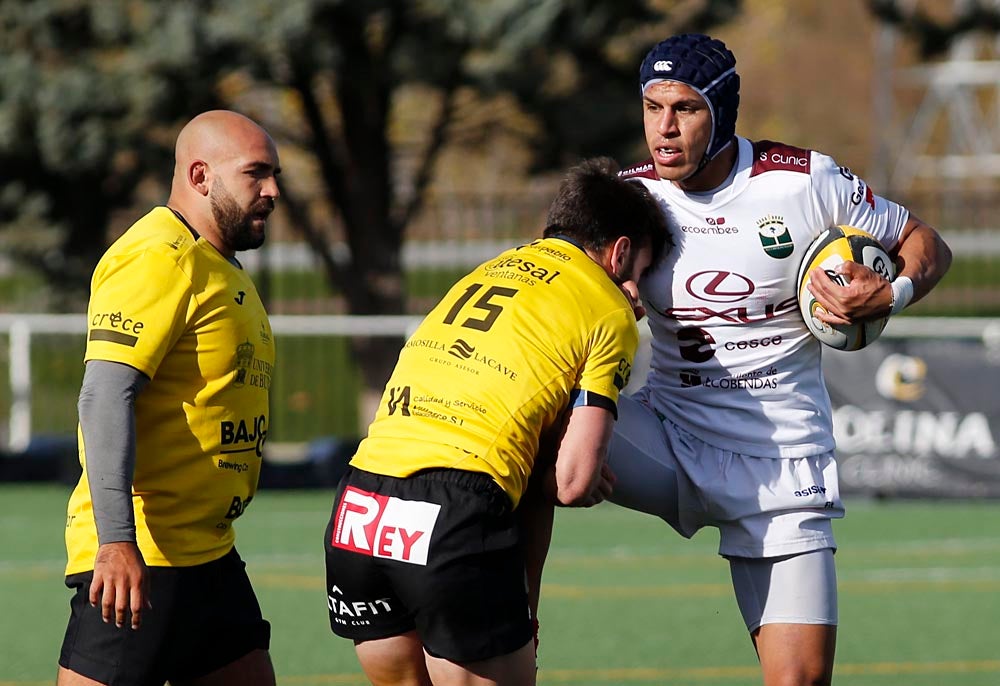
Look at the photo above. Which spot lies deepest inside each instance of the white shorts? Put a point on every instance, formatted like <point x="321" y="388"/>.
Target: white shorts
<point x="763" y="507"/>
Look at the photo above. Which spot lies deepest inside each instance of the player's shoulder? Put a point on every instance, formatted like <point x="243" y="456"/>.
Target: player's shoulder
<point x="159" y="231"/>
<point x="774" y="156"/>
<point x="157" y="241"/>
<point x="641" y="170"/>
<point x="770" y="156"/>
<point x="569" y="274"/>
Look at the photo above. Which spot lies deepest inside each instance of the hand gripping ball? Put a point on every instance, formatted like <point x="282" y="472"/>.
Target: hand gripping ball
<point x="833" y="246"/>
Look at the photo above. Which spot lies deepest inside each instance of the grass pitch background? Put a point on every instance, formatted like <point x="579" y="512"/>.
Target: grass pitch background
<point x="624" y="599"/>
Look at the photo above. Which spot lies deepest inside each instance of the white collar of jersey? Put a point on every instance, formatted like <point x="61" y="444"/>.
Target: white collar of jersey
<point x="734" y="184"/>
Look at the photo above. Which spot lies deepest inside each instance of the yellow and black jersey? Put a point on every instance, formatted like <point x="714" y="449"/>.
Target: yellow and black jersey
<point x="166" y="302"/>
<point x="510" y="347"/>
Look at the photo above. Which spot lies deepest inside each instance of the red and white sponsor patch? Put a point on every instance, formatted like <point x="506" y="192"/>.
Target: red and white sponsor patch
<point x="383" y="526"/>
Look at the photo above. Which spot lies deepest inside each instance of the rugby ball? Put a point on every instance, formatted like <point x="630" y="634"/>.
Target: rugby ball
<point x="833" y="246"/>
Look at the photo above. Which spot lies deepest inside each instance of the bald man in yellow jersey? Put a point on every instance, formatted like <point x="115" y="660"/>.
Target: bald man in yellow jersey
<point x="173" y="415"/>
<point x="425" y="562"/>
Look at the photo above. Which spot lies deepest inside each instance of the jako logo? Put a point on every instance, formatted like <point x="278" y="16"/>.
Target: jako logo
<point x="383" y="526"/>
<point x="663" y="65"/>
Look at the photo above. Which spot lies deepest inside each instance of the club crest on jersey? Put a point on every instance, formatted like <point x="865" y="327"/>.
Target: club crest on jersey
<point x="775" y="237"/>
<point x="250" y="369"/>
<point x="244" y="358"/>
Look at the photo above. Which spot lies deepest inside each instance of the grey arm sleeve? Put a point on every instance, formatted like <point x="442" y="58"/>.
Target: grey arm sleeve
<point x="107" y="422"/>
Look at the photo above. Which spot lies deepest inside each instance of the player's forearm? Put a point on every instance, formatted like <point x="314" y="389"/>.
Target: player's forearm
<point x="107" y="421"/>
<point x="923" y="256"/>
<point x="582" y="451"/>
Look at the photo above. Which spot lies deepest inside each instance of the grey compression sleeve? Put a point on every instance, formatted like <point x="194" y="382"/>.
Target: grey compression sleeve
<point x="107" y="421"/>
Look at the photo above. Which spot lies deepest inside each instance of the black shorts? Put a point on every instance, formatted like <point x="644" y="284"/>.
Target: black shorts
<point x="202" y="618"/>
<point x="438" y="552"/>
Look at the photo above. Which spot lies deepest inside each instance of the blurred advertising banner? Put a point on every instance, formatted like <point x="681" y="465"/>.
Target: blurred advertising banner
<point x="917" y="417"/>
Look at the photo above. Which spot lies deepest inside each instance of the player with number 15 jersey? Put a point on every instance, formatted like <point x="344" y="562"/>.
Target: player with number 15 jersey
<point x="435" y="543"/>
<point x="499" y="357"/>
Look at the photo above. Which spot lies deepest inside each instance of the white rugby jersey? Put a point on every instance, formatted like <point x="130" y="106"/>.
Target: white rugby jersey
<point x="732" y="360"/>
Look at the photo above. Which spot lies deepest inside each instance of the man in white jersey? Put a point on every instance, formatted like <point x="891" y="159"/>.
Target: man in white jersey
<point x="734" y="426"/>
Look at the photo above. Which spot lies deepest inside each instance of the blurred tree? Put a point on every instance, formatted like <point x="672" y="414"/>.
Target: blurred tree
<point x="91" y="94"/>
<point x="81" y="102"/>
<point x="934" y="25"/>
<point x="569" y="63"/>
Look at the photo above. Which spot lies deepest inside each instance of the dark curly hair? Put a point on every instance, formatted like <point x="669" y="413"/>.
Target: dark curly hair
<point x="595" y="206"/>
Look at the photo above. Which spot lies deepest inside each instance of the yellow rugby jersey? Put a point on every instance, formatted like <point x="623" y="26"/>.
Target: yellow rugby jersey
<point x="169" y="304"/>
<point x="498" y="360"/>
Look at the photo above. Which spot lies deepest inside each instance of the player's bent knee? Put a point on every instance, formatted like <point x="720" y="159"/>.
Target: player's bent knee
<point x="790" y="676"/>
<point x="645" y="480"/>
<point x="397" y="660"/>
<point x="513" y="669"/>
<point x="796" y="654"/>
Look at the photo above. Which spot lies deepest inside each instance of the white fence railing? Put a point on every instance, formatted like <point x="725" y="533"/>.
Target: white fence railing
<point x="20" y="328"/>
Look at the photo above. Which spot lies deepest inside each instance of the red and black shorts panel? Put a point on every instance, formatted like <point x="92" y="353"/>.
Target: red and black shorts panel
<point x="438" y="552"/>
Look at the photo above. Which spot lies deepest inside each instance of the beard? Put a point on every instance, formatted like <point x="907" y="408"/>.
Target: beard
<point x="236" y="225"/>
<point x="627" y="265"/>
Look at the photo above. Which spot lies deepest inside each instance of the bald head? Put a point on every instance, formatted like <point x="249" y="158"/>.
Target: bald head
<point x="216" y="136"/>
<point x="224" y="183"/>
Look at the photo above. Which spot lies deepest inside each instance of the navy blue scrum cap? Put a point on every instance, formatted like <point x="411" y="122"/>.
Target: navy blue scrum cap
<point x="706" y="65"/>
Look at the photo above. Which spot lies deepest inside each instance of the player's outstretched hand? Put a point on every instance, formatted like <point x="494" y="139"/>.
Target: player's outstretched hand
<point x="121" y="583"/>
<point x="865" y="294"/>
